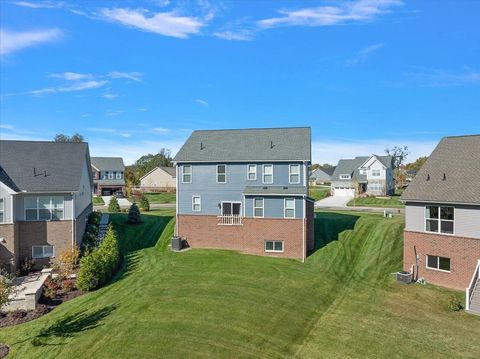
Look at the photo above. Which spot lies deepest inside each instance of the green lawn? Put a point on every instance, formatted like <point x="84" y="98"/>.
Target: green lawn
<point x="393" y="202"/>
<point x="341" y="303"/>
<point x="318" y="193"/>
<point x="98" y="201"/>
<point x="161" y="197"/>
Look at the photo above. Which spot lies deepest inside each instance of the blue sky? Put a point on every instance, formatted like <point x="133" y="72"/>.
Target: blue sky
<point x="134" y="77"/>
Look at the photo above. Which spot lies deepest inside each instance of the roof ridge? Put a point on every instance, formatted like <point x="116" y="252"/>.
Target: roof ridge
<point x="254" y="129"/>
<point x="478" y="135"/>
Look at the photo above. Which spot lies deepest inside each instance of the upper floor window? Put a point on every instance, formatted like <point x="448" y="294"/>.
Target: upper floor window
<point x="294" y="174"/>
<point x="289" y="208"/>
<point x="375" y="173"/>
<point x="267" y="173"/>
<point x="345" y="176"/>
<point x="251" y="172"/>
<point x="258" y="207"/>
<point x="43" y="208"/>
<point x="104" y="175"/>
<point x="119" y="175"/>
<point x="439" y="219"/>
<point x="221" y="173"/>
<point x="186" y="174"/>
<point x="2" y="210"/>
<point x="111" y="175"/>
<point x="196" y="203"/>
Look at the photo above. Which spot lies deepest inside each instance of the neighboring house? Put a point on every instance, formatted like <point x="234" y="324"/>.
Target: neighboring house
<point x="159" y="179"/>
<point x="442" y="214"/>
<point x="409" y="175"/>
<point x="45" y="199"/>
<point x="371" y="175"/>
<point x="246" y="190"/>
<point x="321" y="175"/>
<point x="108" y="175"/>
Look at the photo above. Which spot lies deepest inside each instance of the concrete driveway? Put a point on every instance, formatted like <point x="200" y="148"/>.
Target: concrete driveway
<point x="123" y="202"/>
<point x="333" y="201"/>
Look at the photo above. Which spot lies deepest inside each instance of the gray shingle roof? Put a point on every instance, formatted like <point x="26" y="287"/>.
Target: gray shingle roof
<point x="351" y="166"/>
<point x="62" y="161"/>
<point x="264" y="144"/>
<point x="459" y="159"/>
<point x="170" y="170"/>
<point x="108" y="163"/>
<point x="276" y="190"/>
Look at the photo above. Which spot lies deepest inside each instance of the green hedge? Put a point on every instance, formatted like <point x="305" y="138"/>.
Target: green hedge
<point x="99" y="266"/>
<point x="89" y="239"/>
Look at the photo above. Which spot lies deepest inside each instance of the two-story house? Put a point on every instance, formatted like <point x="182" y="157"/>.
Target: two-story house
<point x="365" y="175"/>
<point x="108" y="174"/>
<point x="45" y="199"/>
<point x="442" y="215"/>
<point x="246" y="190"/>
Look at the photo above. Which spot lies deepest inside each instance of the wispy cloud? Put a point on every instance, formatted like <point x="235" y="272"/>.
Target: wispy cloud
<point x="235" y="35"/>
<point x="111" y="113"/>
<point x="134" y="76"/>
<point x="161" y="130"/>
<point x="110" y="96"/>
<point x="201" y="102"/>
<point x="343" y="13"/>
<point x="39" y="4"/>
<point x="163" y="23"/>
<point x="362" y="56"/>
<point x="71" y="76"/>
<point x="142" y="109"/>
<point x="12" y="41"/>
<point x="443" y="78"/>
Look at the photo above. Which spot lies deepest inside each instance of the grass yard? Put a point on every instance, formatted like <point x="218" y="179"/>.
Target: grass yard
<point x="318" y="193"/>
<point x="341" y="303"/>
<point x="98" y="201"/>
<point x="161" y="197"/>
<point x="393" y="202"/>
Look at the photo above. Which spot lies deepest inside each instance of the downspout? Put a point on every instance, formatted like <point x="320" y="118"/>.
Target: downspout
<point x="176" y="200"/>
<point x="303" y="228"/>
<point x="73" y="221"/>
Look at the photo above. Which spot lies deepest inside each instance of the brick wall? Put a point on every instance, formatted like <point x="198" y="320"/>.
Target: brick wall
<point x="8" y="250"/>
<point x="204" y="232"/>
<point x="463" y="253"/>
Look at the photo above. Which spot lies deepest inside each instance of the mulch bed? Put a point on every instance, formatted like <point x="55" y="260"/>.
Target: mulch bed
<point x="4" y="350"/>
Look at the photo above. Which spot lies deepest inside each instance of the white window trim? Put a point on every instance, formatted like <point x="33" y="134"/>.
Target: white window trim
<point x="439" y="221"/>
<point x="2" y="210"/>
<point x="218" y="174"/>
<point x="254" y="172"/>
<point x="191" y="171"/>
<point x="263" y="207"/>
<point x="438" y="264"/>
<point x="345" y="177"/>
<point x="43" y="250"/>
<point x="38" y="209"/>
<point x="118" y="175"/>
<point x="111" y="175"/>
<point x="290" y="173"/>
<point x="263" y="173"/>
<point x="221" y="207"/>
<point x="285" y="208"/>
<point x="273" y="250"/>
<point x="200" y="202"/>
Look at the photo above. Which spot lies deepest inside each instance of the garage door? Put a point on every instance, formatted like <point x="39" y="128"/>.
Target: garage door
<point x="344" y="192"/>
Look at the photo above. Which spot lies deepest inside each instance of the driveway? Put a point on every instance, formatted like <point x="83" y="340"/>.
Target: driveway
<point x="333" y="201"/>
<point x="123" y="202"/>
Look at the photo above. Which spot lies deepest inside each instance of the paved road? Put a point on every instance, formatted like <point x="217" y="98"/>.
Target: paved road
<point x="333" y="201"/>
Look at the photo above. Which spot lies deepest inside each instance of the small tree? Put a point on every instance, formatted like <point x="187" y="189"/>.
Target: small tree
<point x="66" y="261"/>
<point x="6" y="287"/>
<point x="144" y="203"/>
<point x="134" y="214"/>
<point x="113" y="206"/>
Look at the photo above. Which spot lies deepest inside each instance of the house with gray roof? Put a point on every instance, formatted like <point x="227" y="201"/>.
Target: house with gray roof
<point x="246" y="190"/>
<point x="108" y="175"/>
<point x="45" y="199"/>
<point x="442" y="217"/>
<point x="365" y="175"/>
<point x="159" y="179"/>
<point x="321" y="175"/>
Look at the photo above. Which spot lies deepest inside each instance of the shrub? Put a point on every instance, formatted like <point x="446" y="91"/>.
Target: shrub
<point x="99" y="266"/>
<point x="144" y="204"/>
<point x="6" y="287"/>
<point x="26" y="266"/>
<point x="134" y="214"/>
<point x="113" y="206"/>
<point x="66" y="261"/>
<point x="90" y="236"/>
<point x="50" y="288"/>
<point x="455" y="304"/>
<point x="68" y="285"/>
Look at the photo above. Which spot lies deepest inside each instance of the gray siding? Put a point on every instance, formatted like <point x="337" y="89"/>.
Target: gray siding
<point x="20" y="204"/>
<point x="273" y="207"/>
<point x="414" y="217"/>
<point x="7" y="201"/>
<point x="83" y="198"/>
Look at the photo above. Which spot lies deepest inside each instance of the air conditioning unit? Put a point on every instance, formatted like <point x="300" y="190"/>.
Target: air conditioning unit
<point x="404" y="277"/>
<point x="176" y="243"/>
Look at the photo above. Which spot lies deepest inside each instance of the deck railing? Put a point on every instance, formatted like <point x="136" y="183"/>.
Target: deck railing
<point x="473" y="286"/>
<point x="230" y="220"/>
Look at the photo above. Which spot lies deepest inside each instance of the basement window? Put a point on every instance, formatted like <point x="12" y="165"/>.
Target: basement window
<point x="42" y="251"/>
<point x="274" y="246"/>
<point x="438" y="263"/>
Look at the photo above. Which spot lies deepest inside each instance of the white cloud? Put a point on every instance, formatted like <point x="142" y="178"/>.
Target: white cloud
<point x="142" y="109"/>
<point x="201" y="102"/>
<point x="362" y="56"/>
<point x="235" y="35"/>
<point x="114" y="112"/>
<point x="134" y="76"/>
<point x="39" y="4"/>
<point x="443" y="78"/>
<point x="71" y="76"/>
<point x="163" y="23"/>
<point x="7" y="127"/>
<point x="11" y="41"/>
<point x="332" y="150"/>
<point x="345" y="12"/>
<point x="110" y="96"/>
<point x="161" y="130"/>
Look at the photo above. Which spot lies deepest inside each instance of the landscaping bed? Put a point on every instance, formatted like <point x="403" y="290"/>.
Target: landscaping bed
<point x="318" y="193"/>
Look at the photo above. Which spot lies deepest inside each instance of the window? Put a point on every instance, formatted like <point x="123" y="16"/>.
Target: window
<point x="196" y="203"/>
<point x="186" y="174"/>
<point x="111" y="175"/>
<point x="267" y="173"/>
<point x="344" y="176"/>
<point x="44" y="208"/>
<point x="294" y="174"/>
<point x="104" y="175"/>
<point x="119" y="175"/>
<point x="231" y="208"/>
<point x="375" y="173"/>
<point x="42" y="251"/>
<point x="274" y="246"/>
<point x="438" y="263"/>
<point x="251" y="172"/>
<point x="375" y="187"/>
<point x="289" y="208"/>
<point x="221" y="173"/>
<point x="258" y="207"/>
<point x="2" y="210"/>
<point x="439" y="219"/>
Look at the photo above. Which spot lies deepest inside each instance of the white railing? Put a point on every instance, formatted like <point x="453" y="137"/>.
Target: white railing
<point x="230" y="220"/>
<point x="473" y="286"/>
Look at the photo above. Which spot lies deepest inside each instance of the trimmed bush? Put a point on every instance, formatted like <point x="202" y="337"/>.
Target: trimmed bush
<point x="113" y="206"/>
<point x="99" y="266"/>
<point x="144" y="203"/>
<point x="134" y="214"/>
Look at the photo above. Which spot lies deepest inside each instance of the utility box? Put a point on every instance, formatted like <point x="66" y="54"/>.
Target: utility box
<point x="404" y="277"/>
<point x="176" y="243"/>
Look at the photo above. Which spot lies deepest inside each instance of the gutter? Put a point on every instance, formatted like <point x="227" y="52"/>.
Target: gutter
<point x="73" y="221"/>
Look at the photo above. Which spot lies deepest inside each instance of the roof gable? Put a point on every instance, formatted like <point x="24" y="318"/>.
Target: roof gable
<point x="108" y="163"/>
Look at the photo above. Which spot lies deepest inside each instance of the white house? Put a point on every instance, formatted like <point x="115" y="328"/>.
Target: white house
<point x="159" y="179"/>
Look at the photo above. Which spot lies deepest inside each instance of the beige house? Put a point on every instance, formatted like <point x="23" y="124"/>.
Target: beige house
<point x="159" y="179"/>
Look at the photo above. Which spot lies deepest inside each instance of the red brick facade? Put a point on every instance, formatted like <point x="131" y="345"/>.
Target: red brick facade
<point x="203" y="231"/>
<point x="463" y="253"/>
